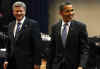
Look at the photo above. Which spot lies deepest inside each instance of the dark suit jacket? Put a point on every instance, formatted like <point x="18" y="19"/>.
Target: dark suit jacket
<point x="23" y="51"/>
<point x="76" y="48"/>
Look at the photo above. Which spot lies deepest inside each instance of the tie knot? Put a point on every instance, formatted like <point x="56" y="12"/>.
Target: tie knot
<point x="19" y="23"/>
<point x="65" y="24"/>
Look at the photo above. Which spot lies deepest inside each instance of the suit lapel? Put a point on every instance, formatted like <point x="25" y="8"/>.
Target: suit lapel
<point x="59" y="33"/>
<point x="12" y="29"/>
<point x="59" y="29"/>
<point x="69" y="35"/>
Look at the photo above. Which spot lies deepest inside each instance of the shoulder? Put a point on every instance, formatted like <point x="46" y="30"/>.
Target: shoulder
<point x="54" y="25"/>
<point x="12" y="22"/>
<point x="57" y="24"/>
<point x="32" y="22"/>
<point x="78" y="23"/>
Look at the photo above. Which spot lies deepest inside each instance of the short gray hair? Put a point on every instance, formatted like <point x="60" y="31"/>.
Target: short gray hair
<point x="19" y="4"/>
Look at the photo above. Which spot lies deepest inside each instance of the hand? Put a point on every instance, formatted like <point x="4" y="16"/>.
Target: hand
<point x="42" y="66"/>
<point x="43" y="62"/>
<point x="80" y="67"/>
<point x="36" y="66"/>
<point x="5" y="65"/>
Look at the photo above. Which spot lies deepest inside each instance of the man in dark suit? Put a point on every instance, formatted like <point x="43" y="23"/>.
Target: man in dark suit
<point x="24" y="35"/>
<point x="69" y="41"/>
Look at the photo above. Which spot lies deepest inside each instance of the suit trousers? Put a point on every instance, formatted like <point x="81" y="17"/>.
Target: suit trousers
<point x="11" y="63"/>
<point x="62" y="64"/>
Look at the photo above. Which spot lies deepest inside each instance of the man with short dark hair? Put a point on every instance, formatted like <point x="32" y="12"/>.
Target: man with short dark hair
<point x="69" y="41"/>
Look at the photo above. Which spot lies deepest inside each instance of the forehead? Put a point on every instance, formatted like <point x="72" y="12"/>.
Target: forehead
<point x="18" y="8"/>
<point x="68" y="7"/>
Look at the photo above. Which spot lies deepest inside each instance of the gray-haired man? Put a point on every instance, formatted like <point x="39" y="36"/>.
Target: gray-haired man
<point x="24" y="35"/>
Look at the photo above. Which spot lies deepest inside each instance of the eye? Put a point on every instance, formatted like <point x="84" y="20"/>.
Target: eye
<point x="69" y="10"/>
<point x="21" y="11"/>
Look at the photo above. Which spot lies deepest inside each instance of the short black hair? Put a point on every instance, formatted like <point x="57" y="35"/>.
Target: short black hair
<point x="61" y="7"/>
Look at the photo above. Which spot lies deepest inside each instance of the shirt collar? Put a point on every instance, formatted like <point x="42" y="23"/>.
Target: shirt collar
<point x="22" y="21"/>
<point x="68" y="24"/>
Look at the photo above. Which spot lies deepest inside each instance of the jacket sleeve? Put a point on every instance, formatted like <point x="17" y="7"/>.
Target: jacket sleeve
<point x="84" y="48"/>
<point x="36" y="43"/>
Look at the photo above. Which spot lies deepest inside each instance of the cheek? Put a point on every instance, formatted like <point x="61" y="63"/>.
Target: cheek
<point x="14" y="13"/>
<point x="24" y="13"/>
<point x="65" y="13"/>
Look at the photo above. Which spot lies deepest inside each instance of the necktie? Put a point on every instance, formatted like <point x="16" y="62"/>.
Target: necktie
<point x="18" y="28"/>
<point x="64" y="34"/>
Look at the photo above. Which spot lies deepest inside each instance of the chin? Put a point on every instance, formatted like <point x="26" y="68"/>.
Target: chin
<point x="19" y="19"/>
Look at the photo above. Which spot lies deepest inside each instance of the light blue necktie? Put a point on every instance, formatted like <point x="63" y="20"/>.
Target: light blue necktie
<point x="64" y="34"/>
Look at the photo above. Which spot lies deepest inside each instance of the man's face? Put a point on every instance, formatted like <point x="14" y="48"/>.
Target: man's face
<point x="19" y="12"/>
<point x="67" y="13"/>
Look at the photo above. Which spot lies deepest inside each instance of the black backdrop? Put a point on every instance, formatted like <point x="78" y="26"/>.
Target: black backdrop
<point x="36" y="9"/>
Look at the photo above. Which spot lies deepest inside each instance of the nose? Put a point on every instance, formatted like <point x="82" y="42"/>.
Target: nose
<point x="19" y="12"/>
<point x="70" y="13"/>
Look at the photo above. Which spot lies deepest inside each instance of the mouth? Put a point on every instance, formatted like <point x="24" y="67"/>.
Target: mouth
<point x="18" y="15"/>
<point x="68" y="16"/>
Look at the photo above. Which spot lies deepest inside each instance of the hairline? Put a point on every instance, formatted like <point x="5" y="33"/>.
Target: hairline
<point x="19" y="4"/>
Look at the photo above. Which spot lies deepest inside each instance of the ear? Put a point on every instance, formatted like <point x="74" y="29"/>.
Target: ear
<point x="60" y="13"/>
<point x="73" y="14"/>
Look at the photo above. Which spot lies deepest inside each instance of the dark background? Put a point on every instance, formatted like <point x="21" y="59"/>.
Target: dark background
<point x="36" y="9"/>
